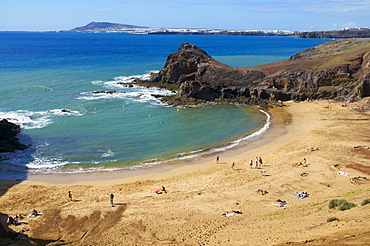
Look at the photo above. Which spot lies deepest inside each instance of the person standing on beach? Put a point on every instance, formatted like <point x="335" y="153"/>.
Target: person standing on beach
<point x="256" y="162"/>
<point x="260" y="161"/>
<point x="251" y="164"/>
<point x="233" y="165"/>
<point x="111" y="196"/>
<point x="70" y="196"/>
<point x="217" y="159"/>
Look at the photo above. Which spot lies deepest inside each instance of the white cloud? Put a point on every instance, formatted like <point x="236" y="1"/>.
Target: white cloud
<point x="346" y="25"/>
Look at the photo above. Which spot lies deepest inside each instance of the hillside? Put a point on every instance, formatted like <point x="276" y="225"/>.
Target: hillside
<point x="333" y="70"/>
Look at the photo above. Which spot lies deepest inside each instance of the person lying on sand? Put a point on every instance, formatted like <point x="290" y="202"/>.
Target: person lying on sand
<point x="34" y="213"/>
<point x="299" y="164"/>
<point x="313" y="149"/>
<point x="12" y="221"/>
<point x="280" y="203"/>
<point x="303" y="194"/>
<point x="162" y="191"/>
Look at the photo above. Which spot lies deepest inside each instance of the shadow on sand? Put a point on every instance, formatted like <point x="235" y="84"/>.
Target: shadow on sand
<point x="13" y="173"/>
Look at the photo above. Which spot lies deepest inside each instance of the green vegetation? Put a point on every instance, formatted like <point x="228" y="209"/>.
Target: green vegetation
<point x="346" y="206"/>
<point x="342" y="204"/>
<point x="332" y="219"/>
<point x="364" y="202"/>
<point x="353" y="193"/>
<point x="319" y="203"/>
<point x="334" y="61"/>
<point x="277" y="213"/>
<point x="356" y="48"/>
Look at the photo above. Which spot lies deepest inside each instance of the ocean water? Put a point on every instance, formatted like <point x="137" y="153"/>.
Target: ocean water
<point x="47" y="84"/>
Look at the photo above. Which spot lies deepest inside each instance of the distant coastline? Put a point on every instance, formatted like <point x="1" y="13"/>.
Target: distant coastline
<point x="107" y="27"/>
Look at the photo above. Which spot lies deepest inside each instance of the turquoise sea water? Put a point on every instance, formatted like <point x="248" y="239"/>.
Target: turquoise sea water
<point x="47" y="80"/>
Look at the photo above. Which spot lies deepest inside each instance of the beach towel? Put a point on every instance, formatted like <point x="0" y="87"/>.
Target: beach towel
<point x="280" y="204"/>
<point x="229" y="214"/>
<point x="32" y="215"/>
<point x="342" y="173"/>
<point x="299" y="196"/>
<point x="24" y="229"/>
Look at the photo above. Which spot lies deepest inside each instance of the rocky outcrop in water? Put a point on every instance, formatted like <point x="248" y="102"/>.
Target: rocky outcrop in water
<point x="8" y="140"/>
<point x="334" y="70"/>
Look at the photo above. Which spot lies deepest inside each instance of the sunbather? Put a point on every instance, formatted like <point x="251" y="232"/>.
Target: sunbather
<point x="12" y="221"/>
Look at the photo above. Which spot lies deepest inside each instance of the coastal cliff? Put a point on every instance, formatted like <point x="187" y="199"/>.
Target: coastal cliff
<point x="350" y="33"/>
<point x="333" y="70"/>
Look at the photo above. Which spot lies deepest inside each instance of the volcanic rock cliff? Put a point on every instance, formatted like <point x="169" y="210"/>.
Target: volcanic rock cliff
<point x="333" y="70"/>
<point x="8" y="140"/>
<point x="351" y="33"/>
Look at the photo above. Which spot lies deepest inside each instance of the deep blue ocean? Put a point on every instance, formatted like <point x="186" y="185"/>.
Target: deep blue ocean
<point x="46" y="83"/>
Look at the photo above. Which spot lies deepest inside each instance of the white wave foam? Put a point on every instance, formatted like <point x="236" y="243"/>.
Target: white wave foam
<point x="46" y="163"/>
<point x="109" y="153"/>
<point x="254" y="136"/>
<point x="38" y="119"/>
<point x="27" y="159"/>
<point x="130" y="92"/>
<point x="27" y="119"/>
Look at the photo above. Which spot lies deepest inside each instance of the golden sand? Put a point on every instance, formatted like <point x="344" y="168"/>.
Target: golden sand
<point x="191" y="212"/>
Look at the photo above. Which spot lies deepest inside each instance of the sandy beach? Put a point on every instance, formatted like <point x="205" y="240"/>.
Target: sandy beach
<point x="209" y="203"/>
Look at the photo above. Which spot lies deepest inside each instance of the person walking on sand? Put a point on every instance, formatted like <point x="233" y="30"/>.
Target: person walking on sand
<point x="111" y="196"/>
<point x="70" y="196"/>
<point x="260" y="161"/>
<point x="251" y="164"/>
<point x="217" y="159"/>
<point x="233" y="165"/>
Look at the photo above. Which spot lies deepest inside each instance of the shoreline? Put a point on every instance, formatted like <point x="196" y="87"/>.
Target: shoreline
<point x="276" y="128"/>
<point x="198" y="207"/>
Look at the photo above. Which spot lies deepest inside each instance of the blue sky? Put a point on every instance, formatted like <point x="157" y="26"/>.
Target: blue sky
<point x="43" y="15"/>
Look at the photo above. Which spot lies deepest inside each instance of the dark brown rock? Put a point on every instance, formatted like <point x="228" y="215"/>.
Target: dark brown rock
<point x="8" y="140"/>
<point x="333" y="70"/>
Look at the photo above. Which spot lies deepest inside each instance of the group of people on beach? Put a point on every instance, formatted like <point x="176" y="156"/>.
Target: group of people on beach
<point x="258" y="162"/>
<point x="15" y="220"/>
<point x="111" y="197"/>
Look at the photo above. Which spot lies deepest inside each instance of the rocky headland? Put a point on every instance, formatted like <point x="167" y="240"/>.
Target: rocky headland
<point x="346" y="33"/>
<point x="8" y="140"/>
<point x="334" y="70"/>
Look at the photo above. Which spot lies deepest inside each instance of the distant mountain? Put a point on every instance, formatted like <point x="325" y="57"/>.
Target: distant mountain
<point x="103" y="25"/>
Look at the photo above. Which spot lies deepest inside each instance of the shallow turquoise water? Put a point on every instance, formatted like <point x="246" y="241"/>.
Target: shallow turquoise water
<point x="43" y="73"/>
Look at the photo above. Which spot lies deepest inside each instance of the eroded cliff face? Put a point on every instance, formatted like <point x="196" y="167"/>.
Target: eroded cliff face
<point x="334" y="70"/>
